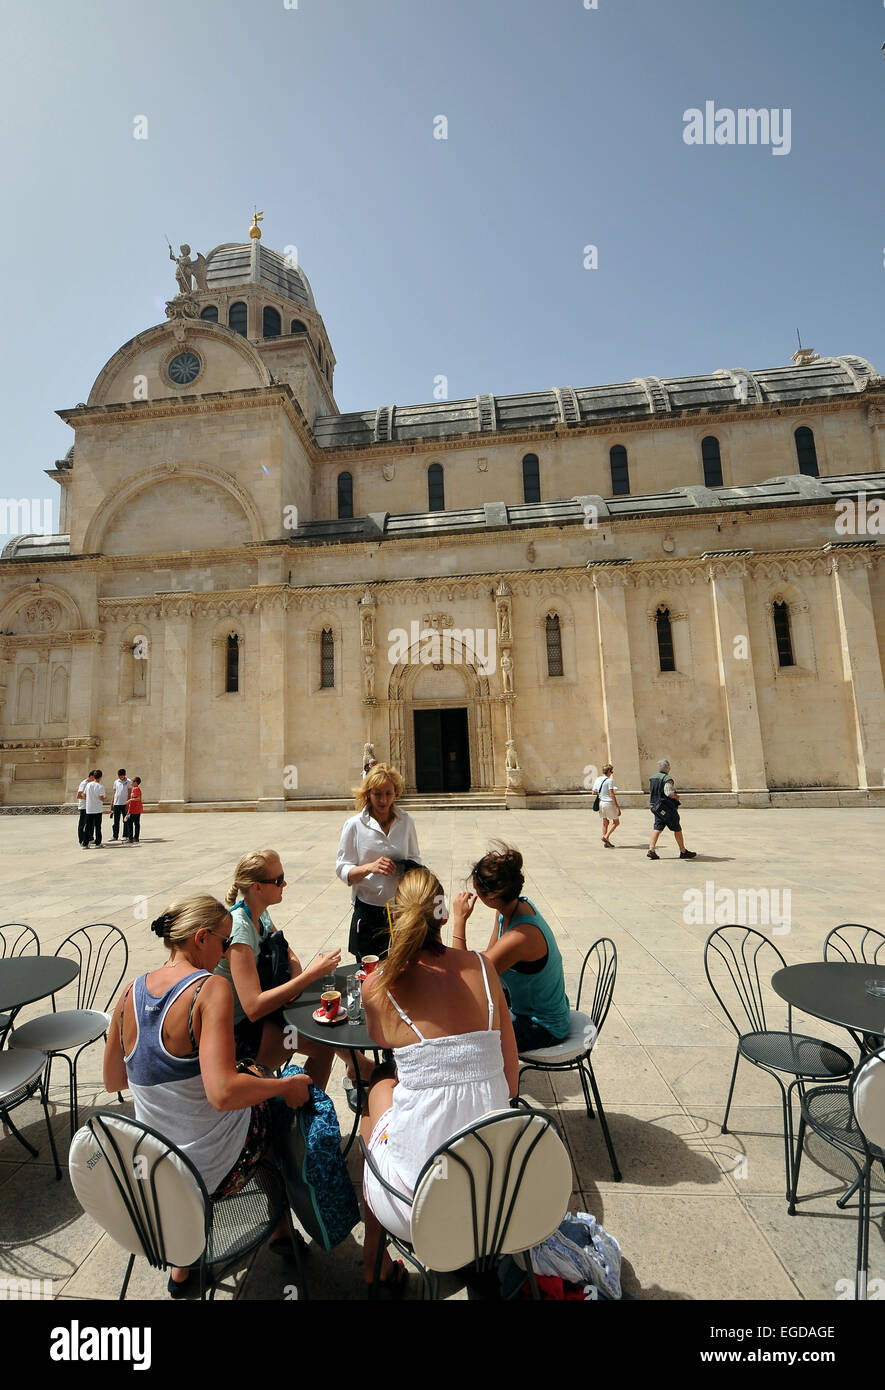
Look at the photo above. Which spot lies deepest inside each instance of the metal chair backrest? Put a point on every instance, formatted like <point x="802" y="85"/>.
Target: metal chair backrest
<point x="604" y="957"/>
<point x="868" y="1098"/>
<point x="102" y="954"/>
<point x="499" y="1186"/>
<point x="852" y="942"/>
<point x="16" y="939"/>
<point x="141" y="1189"/>
<point x="737" y="954"/>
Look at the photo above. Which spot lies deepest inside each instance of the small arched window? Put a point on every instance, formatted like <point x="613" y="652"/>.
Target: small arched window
<point x="436" y="500"/>
<point x="327" y="659"/>
<point x="712" y="461"/>
<point x="236" y="317"/>
<point x="232" y="665"/>
<point x="781" y="615"/>
<point x="210" y="313"/>
<point x="806" y="452"/>
<point x="665" y="640"/>
<point x="531" y="478"/>
<point x="271" y="323"/>
<point x="296" y="326"/>
<point x="320" y="353"/>
<point x="554" y="644"/>
<point x="345" y="496"/>
<point x="617" y="459"/>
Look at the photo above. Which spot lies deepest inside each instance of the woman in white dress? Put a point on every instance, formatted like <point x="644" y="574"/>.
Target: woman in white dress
<point x="443" y="1013"/>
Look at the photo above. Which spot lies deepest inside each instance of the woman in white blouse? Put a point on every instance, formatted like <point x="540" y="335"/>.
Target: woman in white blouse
<point x="377" y="846"/>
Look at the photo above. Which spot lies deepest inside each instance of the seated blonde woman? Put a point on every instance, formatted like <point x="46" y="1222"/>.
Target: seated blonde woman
<point x="171" y="1042"/>
<point x="259" y="1027"/>
<point x="443" y="1013"/>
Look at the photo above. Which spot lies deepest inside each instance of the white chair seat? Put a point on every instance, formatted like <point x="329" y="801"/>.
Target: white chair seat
<point x="18" y="1069"/>
<point x="581" y="1037"/>
<point x="55" y="1032"/>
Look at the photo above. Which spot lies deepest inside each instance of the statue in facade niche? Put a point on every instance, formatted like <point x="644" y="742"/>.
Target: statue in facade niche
<point x="507" y="673"/>
<point x="369" y="672"/>
<point x="512" y="768"/>
<point x="187" y="269"/>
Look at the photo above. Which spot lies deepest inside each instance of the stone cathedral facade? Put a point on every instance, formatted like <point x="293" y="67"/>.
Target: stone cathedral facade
<point x="497" y="594"/>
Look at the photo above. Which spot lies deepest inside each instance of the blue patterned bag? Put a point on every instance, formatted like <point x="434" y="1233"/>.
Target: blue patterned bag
<point x="317" y="1181"/>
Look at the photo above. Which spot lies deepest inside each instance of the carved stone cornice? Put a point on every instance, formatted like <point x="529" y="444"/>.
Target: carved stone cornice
<point x="89" y="741"/>
<point x="725" y="564"/>
<point x="44" y="641"/>
<point x="850" y="555"/>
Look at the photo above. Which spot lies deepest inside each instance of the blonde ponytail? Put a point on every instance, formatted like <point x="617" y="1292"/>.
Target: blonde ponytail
<point x="416" y="921"/>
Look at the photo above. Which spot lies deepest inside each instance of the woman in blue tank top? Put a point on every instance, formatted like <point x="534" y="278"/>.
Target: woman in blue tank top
<point x="522" y="949"/>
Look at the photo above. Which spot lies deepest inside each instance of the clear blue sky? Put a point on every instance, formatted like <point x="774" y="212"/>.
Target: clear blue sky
<point x="463" y="256"/>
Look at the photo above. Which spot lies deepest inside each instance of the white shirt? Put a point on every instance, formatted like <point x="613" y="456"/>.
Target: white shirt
<point x="94" y="793"/>
<point x="82" y="787"/>
<point x="605" y="793"/>
<point x="121" y="796"/>
<point x="363" y="840"/>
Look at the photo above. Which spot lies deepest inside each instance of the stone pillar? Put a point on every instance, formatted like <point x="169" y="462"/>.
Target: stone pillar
<point x="174" y="756"/>
<point x="515" y="789"/>
<point x="861" y="664"/>
<point x="876" y="418"/>
<point x="737" y="680"/>
<point x="272" y="665"/>
<point x="616" y="676"/>
<point x="367" y="664"/>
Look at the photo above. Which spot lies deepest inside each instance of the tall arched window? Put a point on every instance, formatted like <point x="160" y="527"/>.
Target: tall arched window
<point x="554" y="644"/>
<point x="531" y="478"/>
<point x="345" y="496"/>
<point x="806" y="452"/>
<point x="712" y="461"/>
<point x="296" y="326"/>
<point x="327" y="659"/>
<point x="665" y="640"/>
<point x="271" y="323"/>
<point x="617" y="458"/>
<point x="210" y="313"/>
<point x="232" y="667"/>
<point x="436" y="500"/>
<point x="781" y="615"/>
<point x="236" y="317"/>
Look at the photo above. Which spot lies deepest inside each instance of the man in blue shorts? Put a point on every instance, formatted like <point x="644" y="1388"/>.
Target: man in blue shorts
<point x="664" y="804"/>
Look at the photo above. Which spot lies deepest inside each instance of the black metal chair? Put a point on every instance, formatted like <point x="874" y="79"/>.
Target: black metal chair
<point x="574" y="1053"/>
<point x="103" y="954"/>
<point x="141" y="1189"/>
<point x="736" y="954"/>
<point x="852" y="1119"/>
<point x="496" y="1188"/>
<point x="22" y="1073"/>
<point x="16" y="939"/>
<point x="854" y="943"/>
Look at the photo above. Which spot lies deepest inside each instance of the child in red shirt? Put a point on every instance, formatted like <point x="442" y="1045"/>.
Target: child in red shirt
<point x="132" y="825"/>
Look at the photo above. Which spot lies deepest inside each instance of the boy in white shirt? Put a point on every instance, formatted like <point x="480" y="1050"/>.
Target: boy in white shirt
<point x="81" y="800"/>
<point x="94" y="802"/>
<point x="122" y="788"/>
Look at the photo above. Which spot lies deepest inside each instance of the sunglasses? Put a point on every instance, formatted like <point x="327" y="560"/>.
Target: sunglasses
<point x="225" y="940"/>
<point x="277" y="882"/>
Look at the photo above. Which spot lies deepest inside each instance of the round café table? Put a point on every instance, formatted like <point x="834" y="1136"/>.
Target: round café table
<point x="25" y="979"/>
<point x="835" y="991"/>
<point x="354" y="1036"/>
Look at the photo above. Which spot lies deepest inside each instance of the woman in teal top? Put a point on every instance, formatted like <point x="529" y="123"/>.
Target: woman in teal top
<point x="522" y="949"/>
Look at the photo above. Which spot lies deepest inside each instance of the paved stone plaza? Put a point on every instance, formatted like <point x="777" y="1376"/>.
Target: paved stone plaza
<point x="699" y="1215"/>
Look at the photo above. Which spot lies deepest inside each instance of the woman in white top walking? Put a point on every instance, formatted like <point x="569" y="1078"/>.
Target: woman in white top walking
<point x="455" y="1055"/>
<point x="604" y="787"/>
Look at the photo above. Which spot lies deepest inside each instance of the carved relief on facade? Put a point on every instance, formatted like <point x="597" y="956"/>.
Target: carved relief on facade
<point x="58" y="695"/>
<point x="24" y="704"/>
<point x="44" y="615"/>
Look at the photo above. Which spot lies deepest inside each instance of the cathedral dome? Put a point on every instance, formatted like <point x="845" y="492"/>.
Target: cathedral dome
<point x="250" y="263"/>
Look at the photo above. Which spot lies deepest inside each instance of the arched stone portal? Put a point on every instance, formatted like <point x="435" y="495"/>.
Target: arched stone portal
<point x="415" y="685"/>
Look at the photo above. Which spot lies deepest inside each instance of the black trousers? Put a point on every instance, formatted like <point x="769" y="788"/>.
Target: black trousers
<point x="132" y="827"/>
<point x="93" y="827"/>
<point x="119" y="812"/>
<point x="369" y="930"/>
<point x="81" y="826"/>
